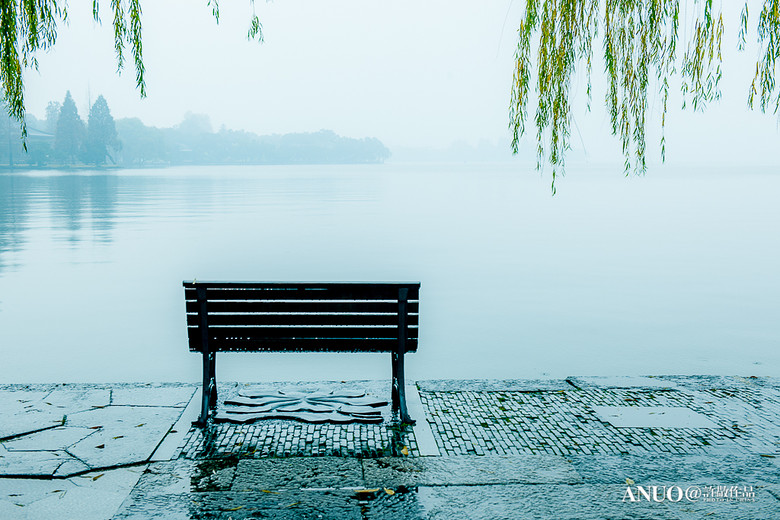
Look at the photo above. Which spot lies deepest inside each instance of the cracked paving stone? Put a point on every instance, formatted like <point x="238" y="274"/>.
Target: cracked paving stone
<point x="298" y="472"/>
<point x="128" y="434"/>
<point x="177" y="397"/>
<point x="78" y="399"/>
<point x="28" y="420"/>
<point x="78" y="497"/>
<point x="474" y="470"/>
<point x="32" y="463"/>
<point x="49" y="440"/>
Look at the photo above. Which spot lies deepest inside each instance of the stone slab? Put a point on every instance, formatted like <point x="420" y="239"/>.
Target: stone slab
<point x="652" y="417"/>
<point x="171" y="445"/>
<point x="153" y="395"/>
<point x="298" y="472"/>
<point x="21" y="422"/>
<point x="94" y="496"/>
<point x="581" y="502"/>
<point x="285" y="504"/>
<point x="726" y="469"/>
<point x="127" y="434"/>
<point x="426" y="443"/>
<point x="469" y="470"/>
<point x="634" y="382"/>
<point x="167" y="478"/>
<point x="48" y="440"/>
<point x="77" y="399"/>
<point x="31" y="463"/>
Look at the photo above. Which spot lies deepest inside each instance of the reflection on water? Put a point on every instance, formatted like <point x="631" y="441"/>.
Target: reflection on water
<point x="64" y="202"/>
<point x="673" y="273"/>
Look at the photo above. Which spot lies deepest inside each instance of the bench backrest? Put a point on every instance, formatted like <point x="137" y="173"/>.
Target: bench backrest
<point x="306" y="317"/>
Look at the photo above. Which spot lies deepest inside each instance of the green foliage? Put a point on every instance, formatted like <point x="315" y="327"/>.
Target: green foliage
<point x="101" y="133"/>
<point x="30" y="26"/>
<point x="640" y="49"/>
<point x="52" y="115"/>
<point x="70" y="131"/>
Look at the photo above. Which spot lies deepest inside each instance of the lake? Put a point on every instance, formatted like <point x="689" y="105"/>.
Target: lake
<point x="672" y="273"/>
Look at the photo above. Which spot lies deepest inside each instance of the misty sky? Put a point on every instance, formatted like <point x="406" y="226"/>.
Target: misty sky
<point x="413" y="74"/>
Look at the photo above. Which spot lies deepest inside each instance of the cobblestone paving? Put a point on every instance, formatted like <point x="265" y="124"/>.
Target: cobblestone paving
<point x="563" y="422"/>
<point x="287" y="438"/>
<point x="277" y="438"/>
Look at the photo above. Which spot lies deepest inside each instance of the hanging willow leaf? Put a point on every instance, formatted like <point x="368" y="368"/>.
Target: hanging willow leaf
<point x="30" y="26"/>
<point x="640" y="43"/>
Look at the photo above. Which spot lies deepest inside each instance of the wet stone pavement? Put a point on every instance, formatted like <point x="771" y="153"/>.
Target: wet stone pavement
<point x="580" y="448"/>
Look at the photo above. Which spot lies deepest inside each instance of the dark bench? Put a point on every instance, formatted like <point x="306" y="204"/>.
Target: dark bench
<point x="302" y="317"/>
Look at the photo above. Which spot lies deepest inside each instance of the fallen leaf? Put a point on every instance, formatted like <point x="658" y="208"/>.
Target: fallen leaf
<point x="266" y="491"/>
<point x="367" y="490"/>
<point x="405" y="450"/>
<point x="117" y="437"/>
<point x="234" y="508"/>
<point x="173" y="431"/>
<point x="139" y="425"/>
<point x="100" y="446"/>
<point x="768" y="455"/>
<point x="97" y="476"/>
<point x="95" y="427"/>
<point x="293" y="504"/>
<point x="629" y="482"/>
<point x="58" y="491"/>
<point x="389" y="491"/>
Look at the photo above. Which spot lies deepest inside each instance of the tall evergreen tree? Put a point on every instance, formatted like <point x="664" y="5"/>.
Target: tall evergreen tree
<point x="101" y="133"/>
<point x="70" y="131"/>
<point x="52" y="116"/>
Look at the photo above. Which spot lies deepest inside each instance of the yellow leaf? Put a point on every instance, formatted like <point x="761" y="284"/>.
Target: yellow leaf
<point x="389" y="491"/>
<point x="293" y="504"/>
<point x="117" y="437"/>
<point x="405" y="450"/>
<point x="266" y="491"/>
<point x="234" y="508"/>
<point x="97" y="476"/>
<point x="367" y="490"/>
<point x="629" y="482"/>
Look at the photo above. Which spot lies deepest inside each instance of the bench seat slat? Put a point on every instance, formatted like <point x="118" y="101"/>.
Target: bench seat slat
<point x="302" y="332"/>
<point x="302" y="306"/>
<point x="348" y="292"/>
<point x="300" y="319"/>
<point x="304" y="345"/>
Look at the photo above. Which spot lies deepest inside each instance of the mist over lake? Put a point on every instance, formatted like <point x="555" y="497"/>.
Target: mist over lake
<point x="675" y="272"/>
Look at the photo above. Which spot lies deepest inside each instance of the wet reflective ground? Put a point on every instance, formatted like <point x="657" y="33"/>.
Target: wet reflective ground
<point x="585" y="488"/>
<point x="579" y="448"/>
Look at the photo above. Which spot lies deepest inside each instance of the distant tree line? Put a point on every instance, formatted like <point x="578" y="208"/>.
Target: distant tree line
<point x="62" y="139"/>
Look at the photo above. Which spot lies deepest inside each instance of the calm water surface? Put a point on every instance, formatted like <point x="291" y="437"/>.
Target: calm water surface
<point x="672" y="273"/>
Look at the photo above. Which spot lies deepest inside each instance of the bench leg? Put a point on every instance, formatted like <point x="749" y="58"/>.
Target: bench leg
<point x="398" y="391"/>
<point x="213" y="377"/>
<point x="209" y="397"/>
